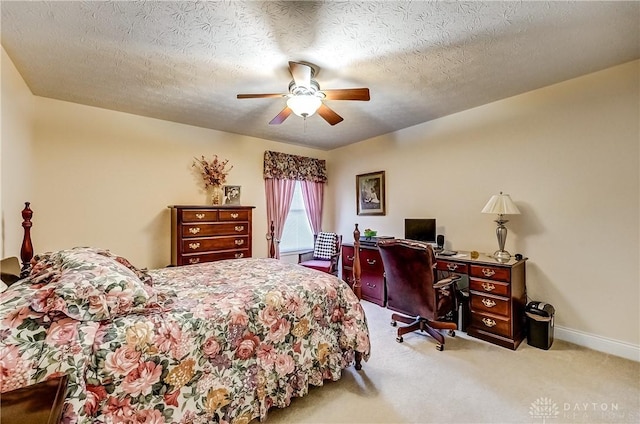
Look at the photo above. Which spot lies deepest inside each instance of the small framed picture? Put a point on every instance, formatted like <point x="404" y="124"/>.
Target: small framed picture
<point x="231" y="195"/>
<point x="370" y="195"/>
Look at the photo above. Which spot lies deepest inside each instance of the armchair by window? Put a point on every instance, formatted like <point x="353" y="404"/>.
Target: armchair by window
<point x="325" y="254"/>
<point x="425" y="303"/>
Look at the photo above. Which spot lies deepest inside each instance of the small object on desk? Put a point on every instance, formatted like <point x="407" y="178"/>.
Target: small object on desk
<point x="518" y="257"/>
<point x="447" y="252"/>
<point x="474" y="254"/>
<point x="39" y="403"/>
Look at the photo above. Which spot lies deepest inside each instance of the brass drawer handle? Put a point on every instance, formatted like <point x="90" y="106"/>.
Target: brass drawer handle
<point x="350" y="258"/>
<point x="489" y="322"/>
<point x="194" y="246"/>
<point x="234" y="215"/>
<point x="488" y="286"/>
<point x="488" y="272"/>
<point x="373" y="286"/>
<point x="488" y="303"/>
<point x="200" y="215"/>
<point x="239" y="242"/>
<point x="239" y="227"/>
<point x="371" y="261"/>
<point x="194" y="230"/>
<point x="452" y="267"/>
<point x="239" y="255"/>
<point x="194" y="260"/>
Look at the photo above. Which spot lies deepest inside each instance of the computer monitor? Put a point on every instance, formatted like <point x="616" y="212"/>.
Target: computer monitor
<point x="423" y="229"/>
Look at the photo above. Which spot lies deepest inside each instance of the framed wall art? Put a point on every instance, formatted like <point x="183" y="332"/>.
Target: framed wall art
<point x="370" y="194"/>
<point x="232" y="195"/>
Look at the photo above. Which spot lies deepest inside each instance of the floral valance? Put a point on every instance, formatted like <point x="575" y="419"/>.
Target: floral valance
<point x="292" y="167"/>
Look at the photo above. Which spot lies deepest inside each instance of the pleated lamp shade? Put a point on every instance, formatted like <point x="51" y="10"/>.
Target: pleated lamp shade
<point x="501" y="204"/>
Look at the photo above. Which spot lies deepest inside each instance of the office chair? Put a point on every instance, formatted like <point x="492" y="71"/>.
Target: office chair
<point x="325" y="254"/>
<point x="413" y="290"/>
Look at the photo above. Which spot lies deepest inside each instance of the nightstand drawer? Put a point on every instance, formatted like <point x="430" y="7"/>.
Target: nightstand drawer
<point x="487" y="303"/>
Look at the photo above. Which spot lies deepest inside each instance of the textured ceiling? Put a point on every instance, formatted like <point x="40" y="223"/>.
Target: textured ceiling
<point x="186" y="61"/>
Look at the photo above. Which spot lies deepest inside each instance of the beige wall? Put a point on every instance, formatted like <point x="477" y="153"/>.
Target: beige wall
<point x="105" y="178"/>
<point x="567" y="154"/>
<point x="16" y="156"/>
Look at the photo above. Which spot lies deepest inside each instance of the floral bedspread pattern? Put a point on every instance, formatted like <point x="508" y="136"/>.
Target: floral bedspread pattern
<point x="218" y="342"/>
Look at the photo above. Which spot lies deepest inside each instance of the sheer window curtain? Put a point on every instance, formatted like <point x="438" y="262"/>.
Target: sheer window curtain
<point x="279" y="195"/>
<point x="313" y="195"/>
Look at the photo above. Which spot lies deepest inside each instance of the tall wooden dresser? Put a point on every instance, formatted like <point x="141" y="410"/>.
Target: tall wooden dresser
<point x="209" y="233"/>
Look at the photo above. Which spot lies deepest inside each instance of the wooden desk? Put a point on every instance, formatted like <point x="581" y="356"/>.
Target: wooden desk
<point x="497" y="296"/>
<point x="40" y="403"/>
<point x="497" y="290"/>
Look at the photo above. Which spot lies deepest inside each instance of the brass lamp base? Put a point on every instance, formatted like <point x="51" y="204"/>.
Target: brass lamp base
<point x="502" y="255"/>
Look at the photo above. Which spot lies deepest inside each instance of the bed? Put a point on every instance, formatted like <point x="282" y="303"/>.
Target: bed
<point x="215" y="342"/>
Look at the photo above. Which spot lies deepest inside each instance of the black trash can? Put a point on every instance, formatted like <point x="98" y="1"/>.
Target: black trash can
<point x="540" y="324"/>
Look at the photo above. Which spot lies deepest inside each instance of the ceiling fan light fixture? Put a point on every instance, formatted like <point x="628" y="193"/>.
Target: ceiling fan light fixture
<point x="304" y="105"/>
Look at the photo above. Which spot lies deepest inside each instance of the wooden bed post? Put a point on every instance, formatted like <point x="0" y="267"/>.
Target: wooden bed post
<point x="271" y="238"/>
<point x="26" y="250"/>
<point x="357" y="284"/>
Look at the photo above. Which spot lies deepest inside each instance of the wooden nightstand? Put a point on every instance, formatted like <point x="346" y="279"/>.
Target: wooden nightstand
<point x="40" y="403"/>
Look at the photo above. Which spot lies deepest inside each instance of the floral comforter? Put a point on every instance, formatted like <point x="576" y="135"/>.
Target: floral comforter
<point x="215" y="342"/>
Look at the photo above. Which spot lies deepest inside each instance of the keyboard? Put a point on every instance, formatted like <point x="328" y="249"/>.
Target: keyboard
<point x="447" y="252"/>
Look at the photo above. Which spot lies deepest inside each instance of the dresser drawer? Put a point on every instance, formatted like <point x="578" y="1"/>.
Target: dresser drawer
<point x="487" y="286"/>
<point x="215" y="243"/>
<point x="213" y="256"/>
<point x="490" y="272"/>
<point x="492" y="304"/>
<point x="233" y="215"/>
<point x="197" y="215"/>
<point x="492" y="323"/>
<point x="217" y="229"/>
<point x="451" y="266"/>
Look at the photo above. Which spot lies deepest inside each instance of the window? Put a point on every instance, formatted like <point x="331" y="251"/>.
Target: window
<point x="297" y="234"/>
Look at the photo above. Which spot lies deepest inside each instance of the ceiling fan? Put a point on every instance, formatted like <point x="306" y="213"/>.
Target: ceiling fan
<point x="306" y="98"/>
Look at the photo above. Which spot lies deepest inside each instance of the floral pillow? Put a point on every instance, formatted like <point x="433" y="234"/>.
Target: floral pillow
<point x="89" y="286"/>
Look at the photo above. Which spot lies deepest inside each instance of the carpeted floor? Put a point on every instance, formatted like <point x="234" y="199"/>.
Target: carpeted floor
<point x="471" y="381"/>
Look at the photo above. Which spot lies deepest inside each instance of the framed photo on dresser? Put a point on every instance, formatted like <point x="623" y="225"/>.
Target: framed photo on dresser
<point x="231" y="195"/>
<point x="370" y="195"/>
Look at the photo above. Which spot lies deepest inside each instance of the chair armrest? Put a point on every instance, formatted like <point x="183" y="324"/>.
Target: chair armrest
<point x="305" y="256"/>
<point x="446" y="281"/>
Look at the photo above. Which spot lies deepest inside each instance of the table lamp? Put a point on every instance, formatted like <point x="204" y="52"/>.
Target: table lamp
<point x="501" y="204"/>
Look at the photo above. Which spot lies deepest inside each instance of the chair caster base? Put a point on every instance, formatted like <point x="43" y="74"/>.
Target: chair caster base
<point x="399" y="339"/>
<point x="452" y="333"/>
<point x="394" y="324"/>
<point x="439" y="347"/>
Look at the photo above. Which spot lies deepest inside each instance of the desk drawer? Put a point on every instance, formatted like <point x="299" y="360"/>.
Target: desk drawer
<point x="451" y="266"/>
<point x="486" y="303"/>
<point x="370" y="262"/>
<point x="490" y="272"/>
<point x="492" y="323"/>
<point x="487" y="286"/>
<point x="347" y="256"/>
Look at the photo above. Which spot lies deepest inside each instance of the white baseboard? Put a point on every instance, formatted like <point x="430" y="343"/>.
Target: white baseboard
<point x="599" y="343"/>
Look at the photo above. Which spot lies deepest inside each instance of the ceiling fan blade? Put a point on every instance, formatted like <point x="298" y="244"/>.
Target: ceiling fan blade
<point x="347" y="94"/>
<point x="260" y="96"/>
<point x="329" y="115"/>
<point x="301" y="74"/>
<point x="279" y="119"/>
